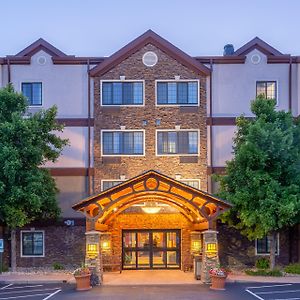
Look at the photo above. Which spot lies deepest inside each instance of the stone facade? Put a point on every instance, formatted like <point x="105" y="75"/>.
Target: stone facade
<point x="133" y="117"/>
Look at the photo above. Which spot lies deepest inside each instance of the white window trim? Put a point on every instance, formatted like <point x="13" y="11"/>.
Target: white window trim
<point x="176" y="154"/>
<point x="189" y="179"/>
<point x="180" y="80"/>
<point x="122" y="155"/>
<point x="110" y="180"/>
<point x="277" y="87"/>
<point x="21" y="242"/>
<point x="33" y="81"/>
<point x="123" y="105"/>
<point x="268" y="254"/>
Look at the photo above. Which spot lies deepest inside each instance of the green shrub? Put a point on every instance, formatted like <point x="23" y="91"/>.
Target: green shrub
<point x="263" y="272"/>
<point x="58" y="266"/>
<point x="292" y="268"/>
<point x="262" y="263"/>
<point x="4" y="268"/>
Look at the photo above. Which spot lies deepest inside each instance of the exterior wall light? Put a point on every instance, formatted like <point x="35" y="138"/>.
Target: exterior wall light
<point x="92" y="250"/>
<point x="211" y="248"/>
<point x="196" y="243"/>
<point x="106" y="242"/>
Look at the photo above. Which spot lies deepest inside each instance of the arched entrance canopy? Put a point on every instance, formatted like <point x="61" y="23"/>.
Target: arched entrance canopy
<point x="196" y="205"/>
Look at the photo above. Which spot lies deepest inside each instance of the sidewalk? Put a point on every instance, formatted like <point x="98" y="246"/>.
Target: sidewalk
<point x="149" y="277"/>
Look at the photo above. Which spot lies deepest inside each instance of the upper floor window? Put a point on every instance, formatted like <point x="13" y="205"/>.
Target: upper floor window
<point x="195" y="183"/>
<point x="33" y="92"/>
<point x="122" y="142"/>
<point x="177" y="93"/>
<point x="267" y="88"/>
<point x="182" y="142"/>
<point x="107" y="184"/>
<point x="263" y="245"/>
<point x="122" y="93"/>
<point x="32" y="243"/>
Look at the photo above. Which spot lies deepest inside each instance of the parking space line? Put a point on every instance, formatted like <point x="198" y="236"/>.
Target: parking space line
<point x="29" y="291"/>
<point x="24" y="296"/>
<point x="286" y="299"/>
<point x="253" y="294"/>
<point x="268" y="286"/>
<point x="23" y="286"/>
<point x="51" y="295"/>
<point x="4" y="287"/>
<point x="278" y="292"/>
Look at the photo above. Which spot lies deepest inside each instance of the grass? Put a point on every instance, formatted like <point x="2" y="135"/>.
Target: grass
<point x="292" y="268"/>
<point x="263" y="272"/>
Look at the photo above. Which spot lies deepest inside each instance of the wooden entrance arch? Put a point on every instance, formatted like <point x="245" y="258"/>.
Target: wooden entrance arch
<point x="197" y="206"/>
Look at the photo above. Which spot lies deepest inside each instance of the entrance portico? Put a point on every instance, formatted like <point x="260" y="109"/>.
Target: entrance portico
<point x="123" y="221"/>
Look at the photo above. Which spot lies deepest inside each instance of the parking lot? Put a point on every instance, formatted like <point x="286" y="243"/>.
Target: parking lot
<point x="288" y="291"/>
<point x="234" y="291"/>
<point x="29" y="291"/>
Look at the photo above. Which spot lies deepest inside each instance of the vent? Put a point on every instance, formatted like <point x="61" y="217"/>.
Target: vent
<point x="150" y="59"/>
<point x="41" y="60"/>
<point x="255" y="59"/>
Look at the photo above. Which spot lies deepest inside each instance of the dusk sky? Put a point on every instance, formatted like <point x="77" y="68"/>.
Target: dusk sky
<point x="99" y="28"/>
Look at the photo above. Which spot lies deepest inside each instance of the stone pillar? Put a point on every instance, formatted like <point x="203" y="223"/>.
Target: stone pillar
<point x="93" y="255"/>
<point x="210" y="255"/>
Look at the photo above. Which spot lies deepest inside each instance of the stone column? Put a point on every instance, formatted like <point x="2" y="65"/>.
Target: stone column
<point x="93" y="255"/>
<point x="210" y="255"/>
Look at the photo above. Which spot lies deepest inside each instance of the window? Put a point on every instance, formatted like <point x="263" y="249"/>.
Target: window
<point x="107" y="184"/>
<point x="177" y="93"/>
<point x="177" y="142"/>
<point x="32" y="243"/>
<point x="195" y="183"/>
<point x="263" y="245"/>
<point x="122" y="93"/>
<point x="123" y="142"/>
<point x="33" y="92"/>
<point x="267" y="88"/>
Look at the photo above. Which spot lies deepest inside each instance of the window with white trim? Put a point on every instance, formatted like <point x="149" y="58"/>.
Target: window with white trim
<point x="177" y="142"/>
<point x="122" y="93"/>
<point x="33" y="92"/>
<point x="263" y="245"/>
<point x="268" y="89"/>
<point x="195" y="183"/>
<point x="177" y="93"/>
<point x="123" y="142"/>
<point x="32" y="243"/>
<point x="107" y="184"/>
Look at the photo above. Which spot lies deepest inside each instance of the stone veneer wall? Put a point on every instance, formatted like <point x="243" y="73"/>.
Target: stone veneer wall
<point x="189" y="167"/>
<point x="63" y="245"/>
<point x="151" y="221"/>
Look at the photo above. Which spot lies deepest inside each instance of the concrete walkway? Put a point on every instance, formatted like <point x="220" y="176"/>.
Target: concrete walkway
<point x="134" y="277"/>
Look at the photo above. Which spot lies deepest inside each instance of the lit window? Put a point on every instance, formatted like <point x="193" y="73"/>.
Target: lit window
<point x="122" y="93"/>
<point x="123" y="142"/>
<point x="33" y="92"/>
<point x="268" y="89"/>
<point x="177" y="93"/>
<point x="263" y="245"/>
<point x="193" y="183"/>
<point x="32" y="243"/>
<point x="107" y="184"/>
<point x="177" y="142"/>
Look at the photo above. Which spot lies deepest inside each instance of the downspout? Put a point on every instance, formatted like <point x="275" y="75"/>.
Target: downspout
<point x="211" y="123"/>
<point x="89" y="129"/>
<point x="290" y="84"/>
<point x="8" y="70"/>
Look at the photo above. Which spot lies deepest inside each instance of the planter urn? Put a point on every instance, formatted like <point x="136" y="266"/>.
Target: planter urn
<point x="218" y="282"/>
<point x="83" y="282"/>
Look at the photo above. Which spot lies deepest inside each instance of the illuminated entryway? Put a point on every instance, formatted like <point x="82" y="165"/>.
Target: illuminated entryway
<point x="151" y="249"/>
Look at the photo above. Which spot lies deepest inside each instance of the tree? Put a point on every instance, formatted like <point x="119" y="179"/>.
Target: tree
<point x="27" y="191"/>
<point x="262" y="181"/>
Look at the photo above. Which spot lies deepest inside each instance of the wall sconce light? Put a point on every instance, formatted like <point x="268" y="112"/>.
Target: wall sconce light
<point x="92" y="250"/>
<point x="105" y="245"/>
<point x="196" y="243"/>
<point x="106" y="242"/>
<point x="211" y="248"/>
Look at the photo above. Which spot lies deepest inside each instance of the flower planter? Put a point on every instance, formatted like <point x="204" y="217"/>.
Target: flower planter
<point x="218" y="282"/>
<point x="83" y="282"/>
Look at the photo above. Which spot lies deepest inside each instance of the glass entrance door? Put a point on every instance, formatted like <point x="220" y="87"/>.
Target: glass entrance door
<point x="151" y="249"/>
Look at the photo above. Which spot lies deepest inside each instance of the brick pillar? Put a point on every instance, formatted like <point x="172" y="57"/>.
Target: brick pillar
<point x="93" y="255"/>
<point x="210" y="258"/>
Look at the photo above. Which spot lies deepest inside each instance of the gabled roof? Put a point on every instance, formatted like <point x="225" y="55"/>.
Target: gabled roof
<point x="258" y="44"/>
<point x="38" y="45"/>
<point x="149" y="37"/>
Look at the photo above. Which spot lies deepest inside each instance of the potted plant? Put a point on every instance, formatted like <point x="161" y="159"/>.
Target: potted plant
<point x="83" y="277"/>
<point x="218" y="278"/>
